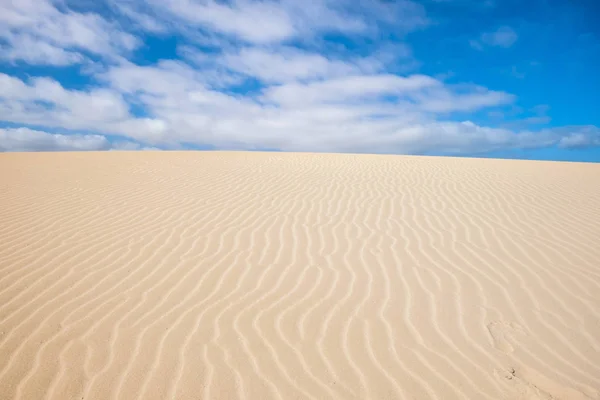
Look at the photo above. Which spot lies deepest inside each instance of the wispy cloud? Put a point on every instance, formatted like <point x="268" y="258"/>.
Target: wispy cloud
<point x="24" y="139"/>
<point x="504" y="37"/>
<point x="276" y="21"/>
<point x="285" y="64"/>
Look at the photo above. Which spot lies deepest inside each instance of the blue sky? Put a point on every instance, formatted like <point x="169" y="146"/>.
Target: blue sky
<point x="485" y="78"/>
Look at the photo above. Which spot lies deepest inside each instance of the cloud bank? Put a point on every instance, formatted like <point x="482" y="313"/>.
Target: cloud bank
<point x="245" y="75"/>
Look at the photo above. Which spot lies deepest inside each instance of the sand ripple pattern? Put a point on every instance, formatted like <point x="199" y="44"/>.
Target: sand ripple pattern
<point x="232" y="275"/>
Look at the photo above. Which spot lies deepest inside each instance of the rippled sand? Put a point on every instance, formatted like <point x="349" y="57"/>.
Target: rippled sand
<point x="224" y="275"/>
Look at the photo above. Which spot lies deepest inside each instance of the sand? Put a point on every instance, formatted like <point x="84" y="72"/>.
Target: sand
<point x="226" y="275"/>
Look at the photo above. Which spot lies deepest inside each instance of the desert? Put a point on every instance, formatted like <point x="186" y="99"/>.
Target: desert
<point x="265" y="275"/>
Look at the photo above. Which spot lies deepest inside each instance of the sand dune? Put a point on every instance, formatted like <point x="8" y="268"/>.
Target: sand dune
<point x="224" y="275"/>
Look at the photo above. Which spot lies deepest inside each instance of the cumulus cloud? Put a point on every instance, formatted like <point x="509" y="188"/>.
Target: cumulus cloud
<point x="45" y="100"/>
<point x="36" y="31"/>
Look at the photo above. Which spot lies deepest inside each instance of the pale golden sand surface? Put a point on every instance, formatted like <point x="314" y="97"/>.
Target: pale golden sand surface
<point x="224" y="275"/>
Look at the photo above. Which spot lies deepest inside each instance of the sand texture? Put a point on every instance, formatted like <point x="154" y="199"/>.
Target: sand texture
<point x="233" y="275"/>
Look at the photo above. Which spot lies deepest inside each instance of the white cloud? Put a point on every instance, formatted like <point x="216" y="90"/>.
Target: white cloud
<point x="504" y="36"/>
<point x="164" y="77"/>
<point x="270" y="21"/>
<point x="285" y="64"/>
<point x="35" y="29"/>
<point x="24" y="139"/>
<point x="578" y="137"/>
<point x="45" y="102"/>
<point x="443" y="99"/>
<point x="258" y="22"/>
<point x="47" y="97"/>
<point x="33" y="51"/>
<point x="142" y="17"/>
<point x="347" y="89"/>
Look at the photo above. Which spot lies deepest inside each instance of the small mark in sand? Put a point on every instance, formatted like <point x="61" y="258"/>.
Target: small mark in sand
<point x="532" y="385"/>
<point x="511" y="374"/>
<point x="501" y="333"/>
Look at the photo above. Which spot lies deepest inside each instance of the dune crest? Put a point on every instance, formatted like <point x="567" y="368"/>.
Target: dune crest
<point x="234" y="275"/>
